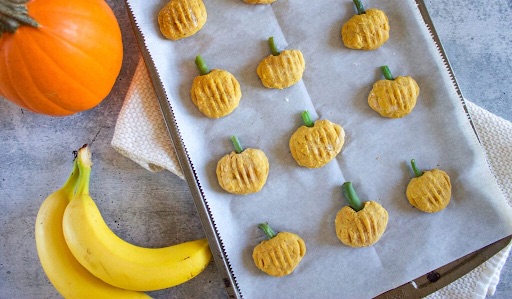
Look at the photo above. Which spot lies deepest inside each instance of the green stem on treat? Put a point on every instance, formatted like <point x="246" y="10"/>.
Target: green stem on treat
<point x="236" y="144"/>
<point x="267" y="230"/>
<point x="353" y="200"/>
<point x="417" y="172"/>
<point x="273" y="47"/>
<point x="386" y="72"/>
<point x="359" y="7"/>
<point x="306" y="118"/>
<point x="13" y="14"/>
<point x="201" y="65"/>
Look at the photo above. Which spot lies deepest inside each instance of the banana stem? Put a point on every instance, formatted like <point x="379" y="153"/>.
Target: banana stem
<point x="417" y="172"/>
<point x="14" y="14"/>
<point x="267" y="230"/>
<point x="351" y="195"/>
<point x="70" y="184"/>
<point x="84" y="167"/>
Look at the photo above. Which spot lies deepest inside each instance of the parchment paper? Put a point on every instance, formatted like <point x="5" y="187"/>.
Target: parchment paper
<point x="375" y="157"/>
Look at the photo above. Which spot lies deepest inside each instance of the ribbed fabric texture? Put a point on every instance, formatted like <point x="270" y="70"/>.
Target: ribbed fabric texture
<point x="140" y="133"/>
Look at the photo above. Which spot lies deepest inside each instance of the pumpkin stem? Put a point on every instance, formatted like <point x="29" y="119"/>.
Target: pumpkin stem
<point x="201" y="65"/>
<point x="359" y="7"/>
<point x="267" y="230"/>
<point x="273" y="48"/>
<point x="236" y="144"/>
<point x="351" y="195"/>
<point x="13" y="14"/>
<point x="417" y="172"/>
<point x="306" y="119"/>
<point x="386" y="72"/>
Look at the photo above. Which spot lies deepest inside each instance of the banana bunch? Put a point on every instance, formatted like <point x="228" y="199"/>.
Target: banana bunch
<point x="83" y="258"/>
<point x="68" y="276"/>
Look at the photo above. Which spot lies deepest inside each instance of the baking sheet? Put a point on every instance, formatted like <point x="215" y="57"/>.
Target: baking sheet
<point x="375" y="156"/>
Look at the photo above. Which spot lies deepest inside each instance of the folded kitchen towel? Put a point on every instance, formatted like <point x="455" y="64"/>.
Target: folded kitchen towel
<point x="141" y="135"/>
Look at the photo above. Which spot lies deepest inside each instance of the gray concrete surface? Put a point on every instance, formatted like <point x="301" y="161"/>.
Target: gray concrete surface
<point x="35" y="155"/>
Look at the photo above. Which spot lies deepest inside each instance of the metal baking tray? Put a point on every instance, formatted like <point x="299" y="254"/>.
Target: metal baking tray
<point x="417" y="288"/>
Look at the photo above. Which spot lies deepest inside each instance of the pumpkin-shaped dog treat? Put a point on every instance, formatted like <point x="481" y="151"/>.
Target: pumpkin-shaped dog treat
<point x="429" y="191"/>
<point x="216" y="93"/>
<point x="279" y="255"/>
<point x="314" y="145"/>
<point x="281" y="69"/>
<point x="360" y="224"/>
<point x="367" y="30"/>
<point x="243" y="171"/>
<point x="259" y="1"/>
<point x="393" y="97"/>
<point x="182" y="18"/>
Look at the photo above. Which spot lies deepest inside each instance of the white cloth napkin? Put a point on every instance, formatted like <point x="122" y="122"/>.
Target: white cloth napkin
<point x="141" y="135"/>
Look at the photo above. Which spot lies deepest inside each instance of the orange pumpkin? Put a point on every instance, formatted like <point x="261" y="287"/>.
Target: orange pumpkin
<point x="68" y="63"/>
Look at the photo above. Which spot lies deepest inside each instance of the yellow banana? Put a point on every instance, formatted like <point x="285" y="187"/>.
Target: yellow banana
<point x="66" y="274"/>
<point x="116" y="261"/>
